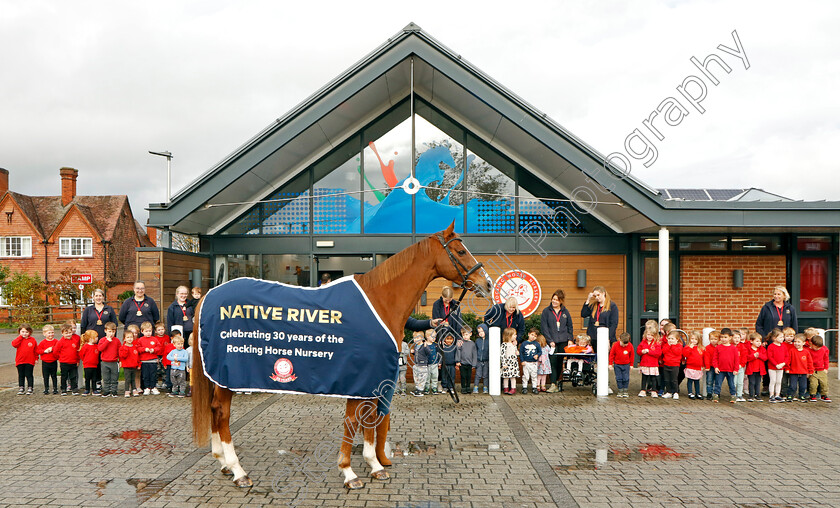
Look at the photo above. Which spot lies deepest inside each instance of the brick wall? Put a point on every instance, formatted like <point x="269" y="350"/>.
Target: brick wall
<point x="552" y="272"/>
<point x="707" y="297"/>
<point x="74" y="226"/>
<point x="19" y="226"/>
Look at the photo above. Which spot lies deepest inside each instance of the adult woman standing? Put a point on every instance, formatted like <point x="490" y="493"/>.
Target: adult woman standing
<point x="180" y="314"/>
<point x="557" y="328"/>
<point x="507" y="315"/>
<point x="95" y="316"/>
<point x="601" y="312"/>
<point x="777" y="313"/>
<point x="444" y="308"/>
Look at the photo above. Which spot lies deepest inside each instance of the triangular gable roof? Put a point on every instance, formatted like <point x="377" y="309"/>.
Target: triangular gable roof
<point x="84" y="214"/>
<point x="24" y="204"/>
<point x="483" y="106"/>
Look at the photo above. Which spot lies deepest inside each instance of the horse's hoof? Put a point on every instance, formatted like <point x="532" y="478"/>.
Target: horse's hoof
<point x="226" y="471"/>
<point x="380" y="475"/>
<point x="244" y="482"/>
<point x="354" y="484"/>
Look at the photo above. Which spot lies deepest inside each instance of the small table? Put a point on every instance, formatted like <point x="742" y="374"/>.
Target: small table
<point x="563" y="356"/>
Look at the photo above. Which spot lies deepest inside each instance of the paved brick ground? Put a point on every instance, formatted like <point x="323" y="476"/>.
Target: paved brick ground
<point x="527" y="450"/>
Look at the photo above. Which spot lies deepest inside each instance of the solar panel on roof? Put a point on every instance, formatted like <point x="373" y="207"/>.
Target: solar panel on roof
<point x="723" y="194"/>
<point x="689" y="194"/>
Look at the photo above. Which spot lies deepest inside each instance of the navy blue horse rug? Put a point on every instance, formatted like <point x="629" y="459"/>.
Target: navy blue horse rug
<point x="265" y="336"/>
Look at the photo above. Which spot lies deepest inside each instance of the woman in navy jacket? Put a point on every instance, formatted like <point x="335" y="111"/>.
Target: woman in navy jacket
<point x="557" y="328"/>
<point x="445" y="304"/>
<point x="507" y="315"/>
<point x="777" y="313"/>
<point x="601" y="311"/>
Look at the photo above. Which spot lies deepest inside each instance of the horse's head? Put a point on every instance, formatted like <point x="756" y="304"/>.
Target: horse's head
<point x="457" y="264"/>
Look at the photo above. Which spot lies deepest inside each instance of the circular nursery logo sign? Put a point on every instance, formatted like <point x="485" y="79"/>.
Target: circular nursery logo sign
<point x="521" y="285"/>
<point x="283" y="371"/>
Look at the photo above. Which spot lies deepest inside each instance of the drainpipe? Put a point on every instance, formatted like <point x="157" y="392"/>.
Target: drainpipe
<point x="46" y="279"/>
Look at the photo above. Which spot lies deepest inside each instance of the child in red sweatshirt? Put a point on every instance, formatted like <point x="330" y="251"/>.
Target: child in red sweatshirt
<point x="621" y="359"/>
<point x="49" y="359"/>
<point x="819" y="380"/>
<point x="649" y="350"/>
<point x="726" y="361"/>
<point x="109" y="356"/>
<point x="708" y="356"/>
<point x="165" y="365"/>
<point x="671" y="360"/>
<point x="150" y="348"/>
<point x="67" y="350"/>
<point x="801" y="366"/>
<point x="25" y="357"/>
<point x="89" y="354"/>
<point x="693" y="355"/>
<point x="130" y="360"/>
<point x="756" y="357"/>
<point x="777" y="361"/>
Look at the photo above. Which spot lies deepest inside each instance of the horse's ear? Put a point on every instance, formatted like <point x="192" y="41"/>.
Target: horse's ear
<point x="450" y="230"/>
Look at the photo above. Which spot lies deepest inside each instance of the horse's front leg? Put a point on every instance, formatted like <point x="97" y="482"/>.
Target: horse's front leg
<point x="381" y="440"/>
<point x="221" y="424"/>
<point x="371" y="421"/>
<point x="351" y="425"/>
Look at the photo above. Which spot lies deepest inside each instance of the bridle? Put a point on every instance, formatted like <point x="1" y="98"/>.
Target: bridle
<point x="464" y="273"/>
<point x="462" y="270"/>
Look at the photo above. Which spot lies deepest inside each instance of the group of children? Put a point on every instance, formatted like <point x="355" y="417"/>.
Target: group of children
<point x="145" y="348"/>
<point x="792" y="366"/>
<point x="434" y="364"/>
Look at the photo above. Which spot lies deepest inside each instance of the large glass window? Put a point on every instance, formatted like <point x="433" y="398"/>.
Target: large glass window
<point x="813" y="284"/>
<point x="440" y="165"/>
<point x="651" y="283"/>
<point x="337" y="205"/>
<point x="756" y="243"/>
<point x="286" y="212"/>
<point x="703" y="243"/>
<point x="490" y="186"/>
<point x="243" y="265"/>
<point x="292" y="269"/>
<point x="387" y="207"/>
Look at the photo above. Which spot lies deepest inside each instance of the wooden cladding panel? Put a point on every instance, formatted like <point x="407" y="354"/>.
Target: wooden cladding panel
<point x="553" y="272"/>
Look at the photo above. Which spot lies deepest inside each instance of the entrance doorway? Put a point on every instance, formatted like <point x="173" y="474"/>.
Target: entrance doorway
<point x="338" y="266"/>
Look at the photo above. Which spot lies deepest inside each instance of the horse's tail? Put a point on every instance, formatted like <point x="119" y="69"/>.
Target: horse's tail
<point x="202" y="389"/>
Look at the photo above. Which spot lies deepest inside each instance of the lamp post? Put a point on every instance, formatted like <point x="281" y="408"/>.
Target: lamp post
<point x="168" y="156"/>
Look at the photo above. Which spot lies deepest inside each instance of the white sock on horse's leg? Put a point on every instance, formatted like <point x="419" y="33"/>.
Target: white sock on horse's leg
<point x="348" y="473"/>
<point x="233" y="461"/>
<point x="369" y="453"/>
<point x="216" y="447"/>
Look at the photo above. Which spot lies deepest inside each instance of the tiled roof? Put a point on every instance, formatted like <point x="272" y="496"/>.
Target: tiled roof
<point x="102" y="212"/>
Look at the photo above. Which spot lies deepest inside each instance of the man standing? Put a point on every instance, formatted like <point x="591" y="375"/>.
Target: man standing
<point x="141" y="308"/>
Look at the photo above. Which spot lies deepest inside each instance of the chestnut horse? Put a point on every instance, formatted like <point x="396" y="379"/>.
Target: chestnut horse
<point x="393" y="288"/>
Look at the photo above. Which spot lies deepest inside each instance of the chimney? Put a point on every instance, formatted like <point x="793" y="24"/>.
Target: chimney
<point x="4" y="181"/>
<point x="68" y="184"/>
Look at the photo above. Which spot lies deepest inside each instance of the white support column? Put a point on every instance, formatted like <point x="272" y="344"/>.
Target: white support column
<point x="495" y="370"/>
<point x="664" y="272"/>
<point x="602" y="388"/>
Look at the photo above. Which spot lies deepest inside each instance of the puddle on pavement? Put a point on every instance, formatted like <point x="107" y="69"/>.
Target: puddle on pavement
<point x="136" y="441"/>
<point x="414" y="448"/>
<point x="141" y="489"/>
<point x="595" y="459"/>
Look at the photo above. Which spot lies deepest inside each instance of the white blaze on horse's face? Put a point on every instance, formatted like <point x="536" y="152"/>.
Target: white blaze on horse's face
<point x="487" y="287"/>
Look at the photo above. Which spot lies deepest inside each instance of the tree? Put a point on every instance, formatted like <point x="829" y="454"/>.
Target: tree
<point x="25" y="295"/>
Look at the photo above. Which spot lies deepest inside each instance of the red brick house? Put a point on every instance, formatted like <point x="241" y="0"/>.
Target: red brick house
<point x="48" y="235"/>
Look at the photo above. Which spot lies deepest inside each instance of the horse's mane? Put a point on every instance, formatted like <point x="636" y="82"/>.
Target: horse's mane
<point x="396" y="265"/>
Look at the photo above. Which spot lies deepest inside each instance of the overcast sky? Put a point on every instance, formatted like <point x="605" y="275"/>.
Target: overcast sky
<point x="95" y="85"/>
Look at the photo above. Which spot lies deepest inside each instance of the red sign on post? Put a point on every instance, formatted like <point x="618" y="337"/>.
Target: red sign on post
<point x="81" y="278"/>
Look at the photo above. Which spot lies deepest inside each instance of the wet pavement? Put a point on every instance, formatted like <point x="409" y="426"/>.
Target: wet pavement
<point x="567" y="449"/>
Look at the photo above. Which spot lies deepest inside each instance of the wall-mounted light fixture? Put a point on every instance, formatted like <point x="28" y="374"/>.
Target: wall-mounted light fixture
<point x="737" y="278"/>
<point x="581" y="278"/>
